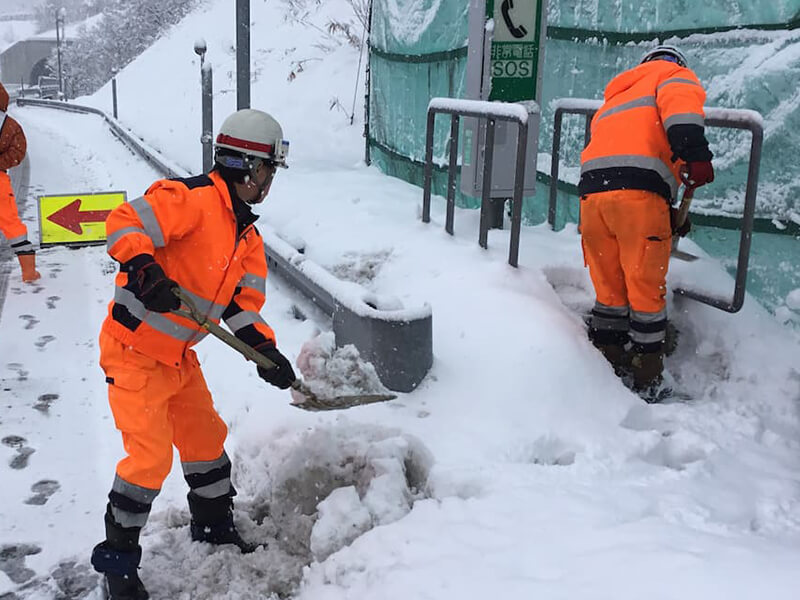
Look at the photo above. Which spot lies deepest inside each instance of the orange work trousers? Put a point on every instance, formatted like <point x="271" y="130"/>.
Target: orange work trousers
<point x="626" y="238"/>
<point x="156" y="407"/>
<point x="10" y="224"/>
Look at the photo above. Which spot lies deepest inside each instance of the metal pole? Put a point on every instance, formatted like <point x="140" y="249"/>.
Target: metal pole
<point x="367" y="158"/>
<point x="242" y="54"/>
<point x="207" y="137"/>
<point x="59" y="20"/>
<point x="519" y="186"/>
<point x="428" y="176"/>
<point x="451" y="174"/>
<point x="555" y="157"/>
<point x="483" y="234"/>
<point x="114" y="94"/>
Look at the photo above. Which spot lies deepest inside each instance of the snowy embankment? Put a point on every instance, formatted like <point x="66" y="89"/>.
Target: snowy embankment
<point x="521" y="467"/>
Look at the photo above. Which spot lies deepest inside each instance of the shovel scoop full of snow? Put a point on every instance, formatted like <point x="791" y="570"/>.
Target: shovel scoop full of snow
<point x="304" y="396"/>
<point x="338" y="376"/>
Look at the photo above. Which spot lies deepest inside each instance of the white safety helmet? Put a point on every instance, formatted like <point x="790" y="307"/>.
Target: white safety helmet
<point x="252" y="134"/>
<point x="665" y="52"/>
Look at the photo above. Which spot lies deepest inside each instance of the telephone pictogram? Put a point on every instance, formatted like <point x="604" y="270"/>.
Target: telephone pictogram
<point x="517" y="32"/>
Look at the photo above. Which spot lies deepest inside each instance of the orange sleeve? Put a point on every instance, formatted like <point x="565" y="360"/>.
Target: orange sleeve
<point x="243" y="315"/>
<point x="680" y="98"/>
<point x="164" y="213"/>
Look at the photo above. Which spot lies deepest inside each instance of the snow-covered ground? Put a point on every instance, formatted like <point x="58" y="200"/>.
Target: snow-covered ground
<point x="521" y="467"/>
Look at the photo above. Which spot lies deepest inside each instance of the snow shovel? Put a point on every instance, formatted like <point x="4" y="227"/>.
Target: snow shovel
<point x="311" y="401"/>
<point x="680" y="219"/>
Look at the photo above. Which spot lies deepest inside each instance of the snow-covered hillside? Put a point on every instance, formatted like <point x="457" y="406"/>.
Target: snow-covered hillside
<point x="520" y="468"/>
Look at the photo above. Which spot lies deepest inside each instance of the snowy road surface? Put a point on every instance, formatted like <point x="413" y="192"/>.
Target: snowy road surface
<point x="520" y="468"/>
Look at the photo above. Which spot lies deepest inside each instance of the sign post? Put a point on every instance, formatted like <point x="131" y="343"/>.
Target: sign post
<point x="504" y="64"/>
<point x="76" y="219"/>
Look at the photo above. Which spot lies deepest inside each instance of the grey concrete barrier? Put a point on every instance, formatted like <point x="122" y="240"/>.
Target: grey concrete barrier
<point x="398" y="341"/>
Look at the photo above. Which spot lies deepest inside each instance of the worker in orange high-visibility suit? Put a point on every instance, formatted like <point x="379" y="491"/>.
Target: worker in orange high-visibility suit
<point x="12" y="150"/>
<point x="195" y="235"/>
<point x="646" y="137"/>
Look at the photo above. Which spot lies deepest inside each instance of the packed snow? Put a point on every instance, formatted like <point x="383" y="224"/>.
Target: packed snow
<point x="521" y="467"/>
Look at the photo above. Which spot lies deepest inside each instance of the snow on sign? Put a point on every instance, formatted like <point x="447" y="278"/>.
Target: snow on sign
<point x="76" y="219"/>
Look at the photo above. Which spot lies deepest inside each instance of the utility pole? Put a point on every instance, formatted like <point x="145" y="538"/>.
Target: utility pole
<point x="242" y="54"/>
<point x="59" y="37"/>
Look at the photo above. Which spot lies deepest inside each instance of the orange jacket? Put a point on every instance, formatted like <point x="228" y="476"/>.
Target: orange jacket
<point x="190" y="227"/>
<point x="12" y="139"/>
<point x="650" y="123"/>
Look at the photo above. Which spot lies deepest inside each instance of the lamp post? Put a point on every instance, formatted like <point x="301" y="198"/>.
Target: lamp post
<point x="206" y="135"/>
<point x="59" y="37"/>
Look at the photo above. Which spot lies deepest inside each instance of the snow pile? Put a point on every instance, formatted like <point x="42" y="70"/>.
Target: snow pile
<point x="330" y="371"/>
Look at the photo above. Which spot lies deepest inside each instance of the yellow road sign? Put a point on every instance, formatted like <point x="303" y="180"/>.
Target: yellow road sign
<point x="76" y="218"/>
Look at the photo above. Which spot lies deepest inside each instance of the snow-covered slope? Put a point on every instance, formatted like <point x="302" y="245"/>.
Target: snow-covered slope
<point x="520" y="468"/>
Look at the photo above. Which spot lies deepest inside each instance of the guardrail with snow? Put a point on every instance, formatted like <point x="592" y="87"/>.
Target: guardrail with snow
<point x="398" y="341"/>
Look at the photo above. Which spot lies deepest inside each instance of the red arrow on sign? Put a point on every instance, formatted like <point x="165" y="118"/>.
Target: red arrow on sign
<point x="71" y="216"/>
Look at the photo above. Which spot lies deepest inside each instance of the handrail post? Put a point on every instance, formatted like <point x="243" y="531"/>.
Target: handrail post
<point x="426" y="185"/>
<point x="486" y="189"/>
<point x="451" y="174"/>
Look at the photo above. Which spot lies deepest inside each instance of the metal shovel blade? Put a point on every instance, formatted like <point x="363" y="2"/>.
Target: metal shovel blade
<point x="309" y="400"/>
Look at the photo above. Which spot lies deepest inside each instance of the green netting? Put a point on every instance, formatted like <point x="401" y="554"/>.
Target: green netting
<point x="747" y="53"/>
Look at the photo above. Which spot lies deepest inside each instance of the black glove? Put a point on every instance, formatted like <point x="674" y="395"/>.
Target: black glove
<point x="281" y="375"/>
<point x="155" y="288"/>
<point x="685" y="228"/>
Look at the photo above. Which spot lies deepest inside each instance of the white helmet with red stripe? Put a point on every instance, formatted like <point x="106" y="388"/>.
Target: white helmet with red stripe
<point x="251" y="133"/>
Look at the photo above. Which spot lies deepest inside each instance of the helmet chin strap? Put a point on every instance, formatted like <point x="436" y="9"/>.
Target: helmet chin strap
<point x="252" y="167"/>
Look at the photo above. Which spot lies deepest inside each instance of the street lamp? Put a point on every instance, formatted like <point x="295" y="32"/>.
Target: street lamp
<point x="206" y="77"/>
<point x="59" y="37"/>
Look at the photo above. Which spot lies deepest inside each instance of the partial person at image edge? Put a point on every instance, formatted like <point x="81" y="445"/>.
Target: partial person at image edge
<point x="13" y="146"/>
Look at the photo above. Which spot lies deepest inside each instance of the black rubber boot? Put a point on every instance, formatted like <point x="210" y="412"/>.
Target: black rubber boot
<point x="212" y="522"/>
<point x="648" y="380"/>
<point x="118" y="558"/>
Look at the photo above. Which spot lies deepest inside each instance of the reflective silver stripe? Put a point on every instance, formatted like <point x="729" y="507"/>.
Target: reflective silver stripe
<point x="155" y="320"/>
<point x="207" y="307"/>
<point x="148" y="218"/>
<point x="638" y="103"/>
<point x="685" y="119"/>
<point x="243" y="319"/>
<point x="214" y="490"/>
<point x="254" y="282"/>
<point x="634" y="160"/>
<point x="204" y="466"/>
<point x="129" y="519"/>
<point x="17" y="240"/>
<point x="135" y="492"/>
<point x="610" y="318"/>
<point x="648" y="317"/>
<point x="650" y="337"/>
<point x="677" y="80"/>
<point x="2" y="119"/>
<point x="114" y="237"/>
<point x="25" y="247"/>
<point x="647" y="338"/>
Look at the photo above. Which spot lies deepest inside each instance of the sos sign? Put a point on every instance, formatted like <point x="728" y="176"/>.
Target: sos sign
<point x="515" y="48"/>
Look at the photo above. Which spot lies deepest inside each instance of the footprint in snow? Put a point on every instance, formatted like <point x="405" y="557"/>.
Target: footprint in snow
<point x="44" y="401"/>
<point x="22" y="374"/>
<point x="30" y="321"/>
<point x="20" y="461"/>
<point x="12" y="561"/>
<point x="51" y="301"/>
<point x="42" y="491"/>
<point x="44" y="340"/>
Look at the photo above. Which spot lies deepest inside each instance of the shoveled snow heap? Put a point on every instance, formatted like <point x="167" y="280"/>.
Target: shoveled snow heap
<point x="331" y="372"/>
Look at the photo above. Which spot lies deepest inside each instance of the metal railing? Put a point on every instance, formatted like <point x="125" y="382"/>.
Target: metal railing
<point x="715" y="117"/>
<point x="491" y="112"/>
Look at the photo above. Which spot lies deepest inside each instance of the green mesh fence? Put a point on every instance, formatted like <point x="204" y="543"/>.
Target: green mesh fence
<point x="746" y="52"/>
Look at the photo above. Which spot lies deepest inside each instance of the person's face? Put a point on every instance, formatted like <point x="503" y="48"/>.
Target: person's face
<point x="255" y="190"/>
